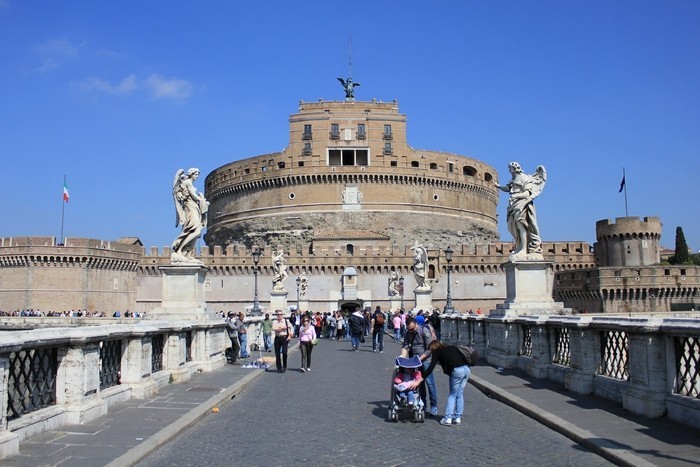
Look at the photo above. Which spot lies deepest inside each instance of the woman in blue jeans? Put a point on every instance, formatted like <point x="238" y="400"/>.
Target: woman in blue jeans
<point x="455" y="366"/>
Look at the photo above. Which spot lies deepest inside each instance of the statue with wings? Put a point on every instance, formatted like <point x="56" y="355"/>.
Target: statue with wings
<point x="349" y="87"/>
<point x="279" y="267"/>
<point x="522" y="218"/>
<point x="420" y="266"/>
<point x="394" y="284"/>
<point x="191" y="213"/>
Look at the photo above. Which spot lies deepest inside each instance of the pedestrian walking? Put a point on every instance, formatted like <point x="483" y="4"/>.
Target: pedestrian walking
<point x="397" y="327"/>
<point x="307" y="338"/>
<point x="339" y="326"/>
<point x="267" y="333"/>
<point x="377" y="325"/>
<point x="356" y="324"/>
<point x="283" y="331"/>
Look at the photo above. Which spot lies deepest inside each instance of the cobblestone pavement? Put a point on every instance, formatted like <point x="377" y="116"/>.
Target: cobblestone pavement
<point x="336" y="415"/>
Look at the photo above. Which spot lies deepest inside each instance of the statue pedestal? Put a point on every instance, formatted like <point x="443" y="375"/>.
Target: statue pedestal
<point x="395" y="304"/>
<point x="278" y="300"/>
<point x="528" y="291"/>
<point x="424" y="300"/>
<point x="183" y="294"/>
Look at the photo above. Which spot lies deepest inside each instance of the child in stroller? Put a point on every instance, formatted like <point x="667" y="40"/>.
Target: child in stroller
<point x="405" y="394"/>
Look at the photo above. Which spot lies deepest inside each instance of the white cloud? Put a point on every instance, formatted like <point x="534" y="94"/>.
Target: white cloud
<point x="58" y="47"/>
<point x="163" y="88"/>
<point x="156" y="85"/>
<point x="126" y="86"/>
<point x="55" y="52"/>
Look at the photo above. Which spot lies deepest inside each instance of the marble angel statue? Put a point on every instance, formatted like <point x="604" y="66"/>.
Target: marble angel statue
<point x="279" y="266"/>
<point x="303" y="285"/>
<point x="191" y="213"/>
<point x="420" y="266"/>
<point x="394" y="284"/>
<point x="521" y="215"/>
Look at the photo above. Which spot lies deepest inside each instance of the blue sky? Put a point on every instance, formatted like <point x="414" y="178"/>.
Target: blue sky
<point x="119" y="95"/>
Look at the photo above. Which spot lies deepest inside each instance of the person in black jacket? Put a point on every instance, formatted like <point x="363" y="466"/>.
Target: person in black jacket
<point x="357" y="328"/>
<point x="455" y="366"/>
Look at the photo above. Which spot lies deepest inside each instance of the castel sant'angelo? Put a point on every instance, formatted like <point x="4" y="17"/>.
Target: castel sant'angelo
<point x="345" y="201"/>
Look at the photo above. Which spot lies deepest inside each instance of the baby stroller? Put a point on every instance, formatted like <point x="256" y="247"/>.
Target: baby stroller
<point x="402" y="399"/>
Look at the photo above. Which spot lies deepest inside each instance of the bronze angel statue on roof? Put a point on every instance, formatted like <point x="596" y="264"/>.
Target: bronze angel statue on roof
<point x="349" y="87"/>
<point x="191" y="212"/>
<point x="522" y="218"/>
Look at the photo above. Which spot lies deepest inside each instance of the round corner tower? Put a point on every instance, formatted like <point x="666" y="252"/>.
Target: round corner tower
<point x="348" y="166"/>
<point x="628" y="241"/>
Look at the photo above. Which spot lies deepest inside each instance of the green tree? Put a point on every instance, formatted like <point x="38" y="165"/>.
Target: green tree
<point x="695" y="259"/>
<point x="681" y="255"/>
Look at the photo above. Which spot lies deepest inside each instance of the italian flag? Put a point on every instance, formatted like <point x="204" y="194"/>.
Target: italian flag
<point x="65" y="192"/>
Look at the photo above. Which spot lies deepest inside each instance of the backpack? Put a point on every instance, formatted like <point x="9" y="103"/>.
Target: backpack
<point x="379" y="319"/>
<point x="356" y="324"/>
<point x="469" y="353"/>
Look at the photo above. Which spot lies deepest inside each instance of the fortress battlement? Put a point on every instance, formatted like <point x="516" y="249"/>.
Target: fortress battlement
<point x="378" y="258"/>
<point x="628" y="226"/>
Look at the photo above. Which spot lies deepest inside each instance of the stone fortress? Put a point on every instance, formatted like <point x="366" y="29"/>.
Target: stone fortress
<point x="348" y="168"/>
<point x="345" y="201"/>
<point x="628" y="276"/>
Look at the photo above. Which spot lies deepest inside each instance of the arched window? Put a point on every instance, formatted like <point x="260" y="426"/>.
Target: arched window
<point x="468" y="170"/>
<point x="350" y="249"/>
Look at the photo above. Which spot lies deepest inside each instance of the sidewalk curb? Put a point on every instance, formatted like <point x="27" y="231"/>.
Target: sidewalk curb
<point x="163" y="436"/>
<point x="603" y="447"/>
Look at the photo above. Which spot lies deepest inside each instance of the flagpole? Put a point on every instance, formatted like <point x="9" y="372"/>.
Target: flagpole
<point x="624" y="177"/>
<point x="63" y="208"/>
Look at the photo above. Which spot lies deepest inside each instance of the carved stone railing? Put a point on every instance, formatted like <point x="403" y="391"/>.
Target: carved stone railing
<point x="650" y="365"/>
<point x="51" y="377"/>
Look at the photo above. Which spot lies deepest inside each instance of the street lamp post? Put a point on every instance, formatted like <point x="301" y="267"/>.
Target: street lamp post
<point x="401" y="290"/>
<point x="298" y="284"/>
<point x="256" y="303"/>
<point x="448" y="257"/>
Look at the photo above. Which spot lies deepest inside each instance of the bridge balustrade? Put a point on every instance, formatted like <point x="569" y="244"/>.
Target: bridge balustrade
<point x="54" y="376"/>
<point x="648" y="364"/>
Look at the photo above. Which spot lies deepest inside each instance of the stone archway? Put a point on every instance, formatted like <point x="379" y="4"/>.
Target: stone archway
<point x="348" y="306"/>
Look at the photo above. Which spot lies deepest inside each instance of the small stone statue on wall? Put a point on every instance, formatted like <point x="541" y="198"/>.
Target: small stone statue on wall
<point x="303" y="285"/>
<point x="420" y="266"/>
<point x="191" y="212"/>
<point x="279" y="266"/>
<point x="522" y="218"/>
<point x="394" y="284"/>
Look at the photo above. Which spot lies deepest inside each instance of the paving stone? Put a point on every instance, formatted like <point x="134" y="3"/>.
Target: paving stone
<point x="336" y="415"/>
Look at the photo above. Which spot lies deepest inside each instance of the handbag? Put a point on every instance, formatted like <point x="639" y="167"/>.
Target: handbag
<point x="314" y="342"/>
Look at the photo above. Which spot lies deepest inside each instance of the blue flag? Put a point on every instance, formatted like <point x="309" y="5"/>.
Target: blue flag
<point x="622" y="184"/>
